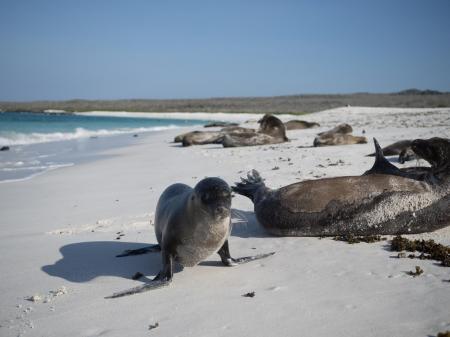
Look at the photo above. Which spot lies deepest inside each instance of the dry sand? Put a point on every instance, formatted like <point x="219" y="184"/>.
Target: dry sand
<point x="59" y="235"/>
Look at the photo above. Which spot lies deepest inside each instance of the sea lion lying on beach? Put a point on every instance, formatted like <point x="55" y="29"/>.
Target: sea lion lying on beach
<point x="209" y="137"/>
<point x="395" y="148"/>
<point x="402" y="149"/>
<point x="299" y="125"/>
<point x="219" y="124"/>
<point x="339" y="135"/>
<point x="271" y="131"/>
<point x="201" y="138"/>
<point x="343" y="128"/>
<point x="191" y="224"/>
<point x="436" y="151"/>
<point x="355" y="205"/>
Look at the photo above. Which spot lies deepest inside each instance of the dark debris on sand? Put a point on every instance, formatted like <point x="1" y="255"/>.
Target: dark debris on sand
<point x="153" y="326"/>
<point x="250" y="294"/>
<point x="430" y="250"/>
<point x="351" y="239"/>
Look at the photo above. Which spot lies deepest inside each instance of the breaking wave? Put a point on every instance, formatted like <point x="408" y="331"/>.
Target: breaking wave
<point x="15" y="138"/>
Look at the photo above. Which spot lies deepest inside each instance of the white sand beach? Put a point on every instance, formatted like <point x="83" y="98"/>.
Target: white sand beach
<point x="60" y="232"/>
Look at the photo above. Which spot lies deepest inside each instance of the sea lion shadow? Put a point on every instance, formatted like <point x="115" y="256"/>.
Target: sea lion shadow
<point x="245" y="225"/>
<point x="85" y="261"/>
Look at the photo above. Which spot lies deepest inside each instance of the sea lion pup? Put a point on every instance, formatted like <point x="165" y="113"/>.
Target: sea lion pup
<point x="299" y="125"/>
<point x="190" y="225"/>
<point x="339" y="135"/>
<point x="355" y="205"/>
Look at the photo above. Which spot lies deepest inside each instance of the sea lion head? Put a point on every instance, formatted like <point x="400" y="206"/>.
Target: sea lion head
<point x="215" y="195"/>
<point x="435" y="150"/>
<point x="272" y="126"/>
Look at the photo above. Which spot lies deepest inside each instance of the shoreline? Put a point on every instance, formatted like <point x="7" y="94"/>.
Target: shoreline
<point x="61" y="229"/>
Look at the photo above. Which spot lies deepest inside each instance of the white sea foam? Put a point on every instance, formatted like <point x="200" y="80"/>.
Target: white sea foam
<point x="14" y="138"/>
<point x="42" y="170"/>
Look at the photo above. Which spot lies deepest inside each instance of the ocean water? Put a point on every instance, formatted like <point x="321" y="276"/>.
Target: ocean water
<point x="41" y="142"/>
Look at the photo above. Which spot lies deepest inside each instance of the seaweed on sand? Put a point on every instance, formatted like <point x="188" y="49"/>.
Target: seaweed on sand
<point x="429" y="248"/>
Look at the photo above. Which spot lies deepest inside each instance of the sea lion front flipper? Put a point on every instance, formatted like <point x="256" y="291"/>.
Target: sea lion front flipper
<point x="228" y="261"/>
<point x="163" y="279"/>
<point x="144" y="250"/>
<point x="382" y="165"/>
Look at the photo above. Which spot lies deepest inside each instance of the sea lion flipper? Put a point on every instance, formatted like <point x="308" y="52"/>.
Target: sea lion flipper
<point x="228" y="261"/>
<point x="144" y="250"/>
<point x="156" y="284"/>
<point x="249" y="185"/>
<point x="163" y="279"/>
<point x="381" y="165"/>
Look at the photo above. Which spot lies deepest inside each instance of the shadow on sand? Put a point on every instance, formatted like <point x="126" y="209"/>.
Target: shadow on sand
<point x="245" y="225"/>
<point x="84" y="261"/>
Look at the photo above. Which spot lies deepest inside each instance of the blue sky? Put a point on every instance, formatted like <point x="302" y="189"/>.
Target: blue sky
<point x="193" y="49"/>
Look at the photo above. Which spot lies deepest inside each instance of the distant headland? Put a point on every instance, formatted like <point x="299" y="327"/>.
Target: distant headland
<point x="296" y="104"/>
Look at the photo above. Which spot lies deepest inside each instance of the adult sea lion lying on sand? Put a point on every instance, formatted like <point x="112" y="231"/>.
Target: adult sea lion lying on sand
<point x="435" y="151"/>
<point x="209" y="137"/>
<point x="299" y="125"/>
<point x="339" y="135"/>
<point x="201" y="138"/>
<point x="190" y="225"/>
<point x="402" y="149"/>
<point x="271" y="131"/>
<point x="358" y="205"/>
<point x="219" y="124"/>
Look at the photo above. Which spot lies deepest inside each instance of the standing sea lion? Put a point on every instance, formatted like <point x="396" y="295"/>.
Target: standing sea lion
<point x="360" y="205"/>
<point x="190" y="225"/>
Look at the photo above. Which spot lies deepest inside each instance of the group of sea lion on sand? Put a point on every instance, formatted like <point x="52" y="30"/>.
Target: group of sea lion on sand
<point x="271" y="131"/>
<point x="193" y="223"/>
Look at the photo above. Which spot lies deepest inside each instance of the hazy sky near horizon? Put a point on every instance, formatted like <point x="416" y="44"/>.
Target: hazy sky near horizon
<point x="97" y="49"/>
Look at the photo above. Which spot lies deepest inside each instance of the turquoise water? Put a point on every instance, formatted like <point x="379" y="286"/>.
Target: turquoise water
<point x="41" y="142"/>
<point x="20" y="128"/>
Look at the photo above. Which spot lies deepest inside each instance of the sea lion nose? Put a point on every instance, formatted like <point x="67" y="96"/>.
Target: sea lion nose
<point x="221" y="210"/>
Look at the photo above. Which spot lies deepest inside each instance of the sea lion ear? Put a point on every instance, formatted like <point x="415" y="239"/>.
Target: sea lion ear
<point x="381" y="165"/>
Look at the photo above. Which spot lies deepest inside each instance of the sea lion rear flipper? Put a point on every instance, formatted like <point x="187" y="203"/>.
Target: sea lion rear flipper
<point x="228" y="261"/>
<point x="248" y="186"/>
<point x="163" y="279"/>
<point x="382" y="165"/>
<point x="140" y="289"/>
<point x="144" y="250"/>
